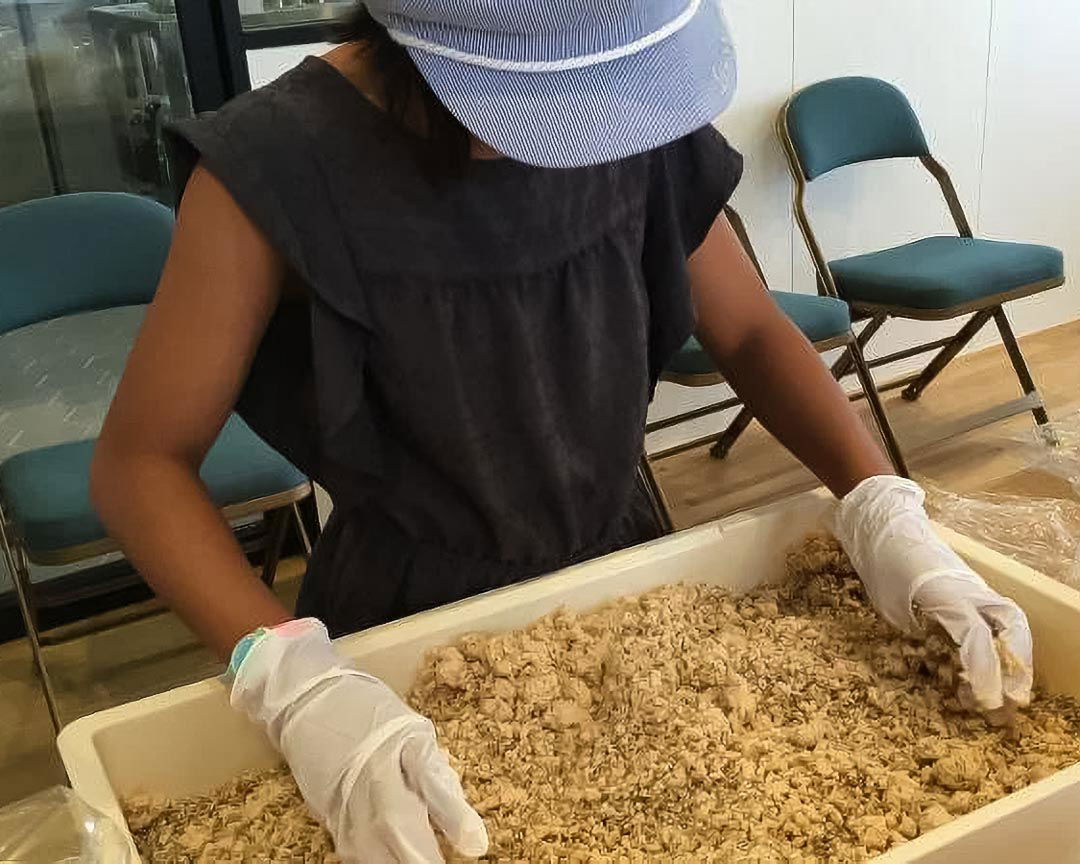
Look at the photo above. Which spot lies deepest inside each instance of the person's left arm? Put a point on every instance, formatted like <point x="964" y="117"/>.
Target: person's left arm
<point x="880" y="520"/>
<point x="774" y="369"/>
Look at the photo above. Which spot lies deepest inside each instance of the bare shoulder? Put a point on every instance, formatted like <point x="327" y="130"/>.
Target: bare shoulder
<point x="216" y="226"/>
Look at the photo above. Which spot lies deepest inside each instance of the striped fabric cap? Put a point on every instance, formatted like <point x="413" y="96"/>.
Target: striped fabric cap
<point x="564" y="83"/>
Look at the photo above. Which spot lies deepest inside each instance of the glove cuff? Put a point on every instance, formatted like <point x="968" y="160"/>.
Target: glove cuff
<point x="866" y="518"/>
<point x="273" y="668"/>
<point x="293" y="628"/>
<point x="871" y="489"/>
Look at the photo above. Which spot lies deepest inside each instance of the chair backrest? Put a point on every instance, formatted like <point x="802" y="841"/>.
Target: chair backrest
<point x="739" y="227"/>
<point x="843" y="121"/>
<point x="77" y="253"/>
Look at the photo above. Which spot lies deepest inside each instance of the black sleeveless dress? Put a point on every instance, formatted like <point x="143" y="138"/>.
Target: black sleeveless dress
<point x="470" y="374"/>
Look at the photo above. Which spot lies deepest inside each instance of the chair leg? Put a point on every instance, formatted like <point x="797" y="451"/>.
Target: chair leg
<point x="301" y="531"/>
<point x="877" y="410"/>
<point x="656" y="496"/>
<point x="1027" y="383"/>
<point x="726" y="439"/>
<point x="309" y="514"/>
<point x="277" y="526"/>
<point x="842" y="367"/>
<point x="946" y="355"/>
<point x="20" y="576"/>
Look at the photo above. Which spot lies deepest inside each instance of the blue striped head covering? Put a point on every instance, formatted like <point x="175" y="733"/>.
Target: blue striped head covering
<point x="563" y="83"/>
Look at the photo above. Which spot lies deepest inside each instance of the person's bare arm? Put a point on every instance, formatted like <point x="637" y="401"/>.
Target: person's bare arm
<point x="221" y="284"/>
<point x="774" y="369"/>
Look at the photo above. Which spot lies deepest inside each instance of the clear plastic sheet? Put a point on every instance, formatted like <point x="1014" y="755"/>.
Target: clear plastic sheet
<point x="1043" y="533"/>
<point x="1057" y="450"/>
<point x="57" y="827"/>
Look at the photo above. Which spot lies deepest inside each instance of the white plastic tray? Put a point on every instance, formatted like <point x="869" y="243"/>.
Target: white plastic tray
<point x="188" y="740"/>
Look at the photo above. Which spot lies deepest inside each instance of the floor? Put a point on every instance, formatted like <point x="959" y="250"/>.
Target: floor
<point x="94" y="672"/>
<point x="699" y="488"/>
<point x="136" y="659"/>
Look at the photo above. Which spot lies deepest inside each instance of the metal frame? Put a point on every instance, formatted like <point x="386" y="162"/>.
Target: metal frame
<point x="212" y="41"/>
<point x="852" y="361"/>
<point x="981" y="311"/>
<point x="311" y="23"/>
<point x="661" y="509"/>
<point x="861" y="369"/>
<point x="277" y="510"/>
<point x="288" y="34"/>
<point x="215" y="46"/>
<point x="268" y="504"/>
<point x="39" y="89"/>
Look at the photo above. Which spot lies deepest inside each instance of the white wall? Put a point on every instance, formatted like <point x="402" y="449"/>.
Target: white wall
<point x="995" y="83"/>
<point x="266" y="64"/>
<point x="1031" y="171"/>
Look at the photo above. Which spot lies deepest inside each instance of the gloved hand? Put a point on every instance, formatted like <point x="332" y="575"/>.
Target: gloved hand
<point x="887" y="535"/>
<point x="368" y="766"/>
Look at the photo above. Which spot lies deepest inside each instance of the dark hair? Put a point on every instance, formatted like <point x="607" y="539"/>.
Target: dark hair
<point x="443" y="144"/>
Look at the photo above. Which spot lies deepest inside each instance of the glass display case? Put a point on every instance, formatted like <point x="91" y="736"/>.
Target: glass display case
<point x="85" y="87"/>
<point x="263" y="14"/>
<point x="143" y="80"/>
<point x="276" y="23"/>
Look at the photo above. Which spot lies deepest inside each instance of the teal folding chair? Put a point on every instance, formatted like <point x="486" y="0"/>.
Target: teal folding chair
<point x="826" y="323"/>
<point x="848" y="121"/>
<point x="72" y="255"/>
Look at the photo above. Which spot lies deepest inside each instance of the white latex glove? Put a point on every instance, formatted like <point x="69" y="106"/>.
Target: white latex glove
<point x="887" y="535"/>
<point x="367" y="765"/>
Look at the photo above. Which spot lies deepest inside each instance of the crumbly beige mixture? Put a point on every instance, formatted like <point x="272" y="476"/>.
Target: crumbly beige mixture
<point x="257" y="817"/>
<point x="684" y="725"/>
<point x="786" y="725"/>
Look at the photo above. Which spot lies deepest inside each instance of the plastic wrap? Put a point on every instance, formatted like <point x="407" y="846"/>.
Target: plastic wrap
<point x="57" y="827"/>
<point x="1056" y="450"/>
<point x="1043" y="533"/>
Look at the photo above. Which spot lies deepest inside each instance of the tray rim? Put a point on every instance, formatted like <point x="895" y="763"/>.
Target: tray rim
<point x="86" y="771"/>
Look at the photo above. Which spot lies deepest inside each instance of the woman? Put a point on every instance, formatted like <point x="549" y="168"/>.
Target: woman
<point x="440" y="269"/>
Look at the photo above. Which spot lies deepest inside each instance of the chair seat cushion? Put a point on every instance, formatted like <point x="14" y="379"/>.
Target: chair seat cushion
<point x="46" y="492"/>
<point x="819" y="318"/>
<point x="944" y="272"/>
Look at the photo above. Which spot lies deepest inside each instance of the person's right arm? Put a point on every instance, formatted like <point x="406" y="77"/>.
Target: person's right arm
<point x="220" y="285"/>
<point x="368" y="766"/>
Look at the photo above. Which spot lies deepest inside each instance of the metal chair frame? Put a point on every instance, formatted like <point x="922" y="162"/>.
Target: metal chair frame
<point x="854" y="363"/>
<point x="981" y="311"/>
<point x="277" y="511"/>
<point x="155" y="225"/>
